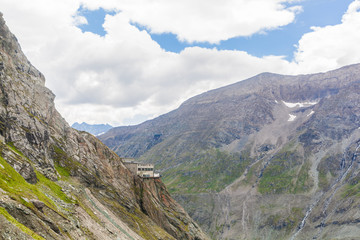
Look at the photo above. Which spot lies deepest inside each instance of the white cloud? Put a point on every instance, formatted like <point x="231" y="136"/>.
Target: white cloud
<point x="204" y="20"/>
<point x="331" y="46"/>
<point x="80" y="20"/>
<point x="126" y="75"/>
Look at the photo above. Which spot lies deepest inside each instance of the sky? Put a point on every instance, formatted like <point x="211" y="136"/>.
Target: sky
<point x="126" y="61"/>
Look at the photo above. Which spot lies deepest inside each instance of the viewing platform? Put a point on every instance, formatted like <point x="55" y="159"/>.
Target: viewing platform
<point x="144" y="170"/>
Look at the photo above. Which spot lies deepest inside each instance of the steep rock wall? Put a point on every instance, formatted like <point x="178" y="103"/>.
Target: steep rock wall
<point x="58" y="183"/>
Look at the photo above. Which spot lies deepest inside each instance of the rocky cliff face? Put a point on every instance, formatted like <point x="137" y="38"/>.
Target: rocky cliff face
<point x="271" y="157"/>
<point x="58" y="183"/>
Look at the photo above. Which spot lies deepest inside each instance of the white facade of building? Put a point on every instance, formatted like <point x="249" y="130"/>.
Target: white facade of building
<point x="144" y="170"/>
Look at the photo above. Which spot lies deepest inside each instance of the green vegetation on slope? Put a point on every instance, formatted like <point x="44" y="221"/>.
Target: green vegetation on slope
<point x="65" y="165"/>
<point x="51" y="188"/>
<point x="18" y="189"/>
<point x="288" y="223"/>
<point x="19" y="225"/>
<point x="328" y="169"/>
<point x="286" y="173"/>
<point x="210" y="171"/>
<point x="14" y="149"/>
<point x="352" y="188"/>
<point x="16" y="186"/>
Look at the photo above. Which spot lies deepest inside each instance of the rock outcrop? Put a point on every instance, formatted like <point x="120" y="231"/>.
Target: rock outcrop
<point x="271" y="157"/>
<point x="58" y="183"/>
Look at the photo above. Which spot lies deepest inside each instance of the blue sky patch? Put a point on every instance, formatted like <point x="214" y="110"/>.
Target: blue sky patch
<point x="95" y="20"/>
<point x="279" y="42"/>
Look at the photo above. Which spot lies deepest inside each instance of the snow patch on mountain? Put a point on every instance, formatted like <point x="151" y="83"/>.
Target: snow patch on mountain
<point x="299" y="104"/>
<point x="291" y="118"/>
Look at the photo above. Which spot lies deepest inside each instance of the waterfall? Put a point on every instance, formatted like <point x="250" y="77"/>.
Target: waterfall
<point x="334" y="187"/>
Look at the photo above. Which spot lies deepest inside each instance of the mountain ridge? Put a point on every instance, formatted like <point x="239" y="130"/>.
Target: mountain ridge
<point x="95" y="129"/>
<point x="234" y="156"/>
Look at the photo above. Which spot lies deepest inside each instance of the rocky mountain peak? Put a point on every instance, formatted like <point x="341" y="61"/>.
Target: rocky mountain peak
<point x="14" y="55"/>
<point x="58" y="183"/>
<point x="235" y="156"/>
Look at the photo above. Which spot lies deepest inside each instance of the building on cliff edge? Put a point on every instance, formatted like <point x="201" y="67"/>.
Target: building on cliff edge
<point x="144" y="170"/>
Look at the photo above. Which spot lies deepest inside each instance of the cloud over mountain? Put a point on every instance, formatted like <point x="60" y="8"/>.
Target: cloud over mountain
<point x="126" y="77"/>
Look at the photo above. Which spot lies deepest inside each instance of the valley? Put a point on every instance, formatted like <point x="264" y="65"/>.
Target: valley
<point x="271" y="157"/>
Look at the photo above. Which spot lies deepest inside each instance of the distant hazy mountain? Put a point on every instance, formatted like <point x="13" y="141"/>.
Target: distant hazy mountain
<point x="95" y="129"/>
<point x="271" y="157"/>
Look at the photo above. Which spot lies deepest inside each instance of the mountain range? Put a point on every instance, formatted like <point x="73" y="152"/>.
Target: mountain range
<point x="60" y="183"/>
<point x="270" y="157"/>
<point x="95" y="129"/>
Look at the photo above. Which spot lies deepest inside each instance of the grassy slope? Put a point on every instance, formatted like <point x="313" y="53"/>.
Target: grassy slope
<point x="209" y="171"/>
<point x="213" y="170"/>
<point x="45" y="190"/>
<point x="15" y="186"/>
